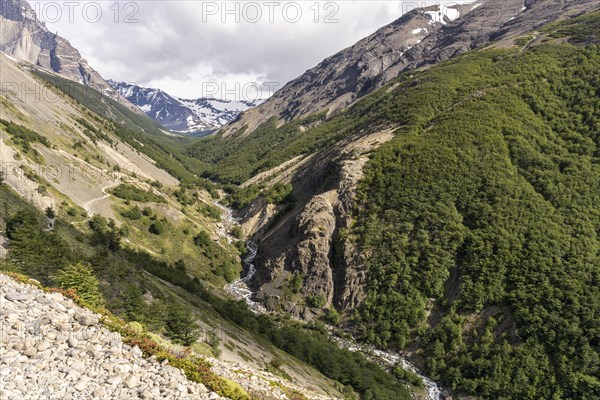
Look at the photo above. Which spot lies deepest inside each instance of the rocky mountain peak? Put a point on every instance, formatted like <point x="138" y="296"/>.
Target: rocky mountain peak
<point x="341" y="79"/>
<point x="25" y="37"/>
<point x="419" y="38"/>
<point x="18" y="10"/>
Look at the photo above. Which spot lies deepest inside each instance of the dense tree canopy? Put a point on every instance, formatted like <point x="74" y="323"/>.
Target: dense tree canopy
<point x="483" y="211"/>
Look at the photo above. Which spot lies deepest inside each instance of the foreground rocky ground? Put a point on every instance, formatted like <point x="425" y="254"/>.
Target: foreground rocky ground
<point x="52" y="349"/>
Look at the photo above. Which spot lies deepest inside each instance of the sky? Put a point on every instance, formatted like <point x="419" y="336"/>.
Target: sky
<point x="222" y="49"/>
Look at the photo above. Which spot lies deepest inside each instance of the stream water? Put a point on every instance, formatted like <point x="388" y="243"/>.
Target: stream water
<point x="240" y="290"/>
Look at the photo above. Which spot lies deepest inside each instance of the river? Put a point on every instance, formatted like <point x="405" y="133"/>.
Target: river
<point x="240" y="290"/>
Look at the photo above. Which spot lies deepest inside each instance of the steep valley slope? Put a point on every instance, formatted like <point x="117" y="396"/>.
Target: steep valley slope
<point x="92" y="190"/>
<point x="451" y="212"/>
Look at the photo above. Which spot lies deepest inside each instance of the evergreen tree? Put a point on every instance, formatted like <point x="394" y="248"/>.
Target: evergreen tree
<point x="180" y="325"/>
<point x="50" y="213"/>
<point x="81" y="277"/>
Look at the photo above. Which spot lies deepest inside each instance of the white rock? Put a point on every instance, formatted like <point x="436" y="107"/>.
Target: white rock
<point x="115" y="380"/>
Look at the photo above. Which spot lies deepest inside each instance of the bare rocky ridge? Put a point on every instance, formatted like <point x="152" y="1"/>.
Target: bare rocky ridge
<point x="306" y="241"/>
<point x="492" y="21"/>
<point x="342" y="78"/>
<point x="418" y="39"/>
<point x="26" y="38"/>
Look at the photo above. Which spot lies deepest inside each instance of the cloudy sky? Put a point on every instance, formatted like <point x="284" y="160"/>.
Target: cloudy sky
<point x="196" y="48"/>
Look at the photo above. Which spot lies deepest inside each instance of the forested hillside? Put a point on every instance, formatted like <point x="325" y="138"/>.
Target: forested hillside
<point x="150" y="248"/>
<point x="481" y="221"/>
<point x="478" y="222"/>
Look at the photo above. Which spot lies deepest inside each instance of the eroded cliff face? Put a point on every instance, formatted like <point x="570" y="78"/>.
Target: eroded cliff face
<point x="24" y="37"/>
<point x="307" y="261"/>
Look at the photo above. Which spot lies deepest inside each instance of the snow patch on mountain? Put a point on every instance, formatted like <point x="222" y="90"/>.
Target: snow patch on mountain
<point x="183" y="115"/>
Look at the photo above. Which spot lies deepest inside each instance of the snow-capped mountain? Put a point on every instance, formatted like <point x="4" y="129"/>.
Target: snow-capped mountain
<point x="182" y="115"/>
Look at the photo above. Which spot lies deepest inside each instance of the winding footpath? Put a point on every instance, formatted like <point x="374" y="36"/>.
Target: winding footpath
<point x="87" y="206"/>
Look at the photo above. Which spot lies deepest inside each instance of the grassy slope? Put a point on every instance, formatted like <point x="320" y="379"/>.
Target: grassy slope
<point x="127" y="275"/>
<point x="135" y="129"/>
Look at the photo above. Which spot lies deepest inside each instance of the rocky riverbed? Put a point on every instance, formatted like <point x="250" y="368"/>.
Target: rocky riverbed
<point x="240" y="290"/>
<point x="52" y="349"/>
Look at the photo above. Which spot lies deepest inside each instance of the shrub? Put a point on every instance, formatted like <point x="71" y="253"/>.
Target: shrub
<point x="133" y="193"/>
<point x="332" y="316"/>
<point x="233" y="390"/>
<point x="133" y="213"/>
<point x="135" y="327"/>
<point x="50" y="213"/>
<point x="158" y="228"/>
<point x="317" y="301"/>
<point x="279" y="193"/>
<point x="202" y="240"/>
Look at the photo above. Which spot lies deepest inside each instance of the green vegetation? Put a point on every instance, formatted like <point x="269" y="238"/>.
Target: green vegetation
<point x="133" y="193"/>
<point x="480" y="221"/>
<point x="124" y="275"/>
<point x="33" y="247"/>
<point x="312" y="345"/>
<point x="159" y="227"/>
<point x="92" y="132"/>
<point x="180" y="325"/>
<point x="196" y="369"/>
<point x="582" y="29"/>
<point x="135" y="129"/>
<point x="24" y="138"/>
<point x="483" y="210"/>
<point x="243" y="197"/>
<point x="234" y="160"/>
<point x="80" y="277"/>
<point x="316" y="301"/>
<point x="481" y="213"/>
<point x="210" y="211"/>
<point x="277" y="194"/>
<point x="134" y="213"/>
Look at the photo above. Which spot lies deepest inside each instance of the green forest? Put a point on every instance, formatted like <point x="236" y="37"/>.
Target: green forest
<point x="480" y="218"/>
<point x="482" y="223"/>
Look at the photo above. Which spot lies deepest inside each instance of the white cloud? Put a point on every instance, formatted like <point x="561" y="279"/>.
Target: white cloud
<point x="179" y="46"/>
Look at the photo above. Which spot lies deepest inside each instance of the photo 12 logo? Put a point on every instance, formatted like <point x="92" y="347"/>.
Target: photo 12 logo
<point x="270" y="11"/>
<point x="239" y="91"/>
<point x="89" y="11"/>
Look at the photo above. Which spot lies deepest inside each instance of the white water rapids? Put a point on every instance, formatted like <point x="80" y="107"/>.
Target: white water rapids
<point x="240" y="290"/>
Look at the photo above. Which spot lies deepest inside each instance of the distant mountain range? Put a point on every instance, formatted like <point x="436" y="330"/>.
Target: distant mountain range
<point x="191" y="116"/>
